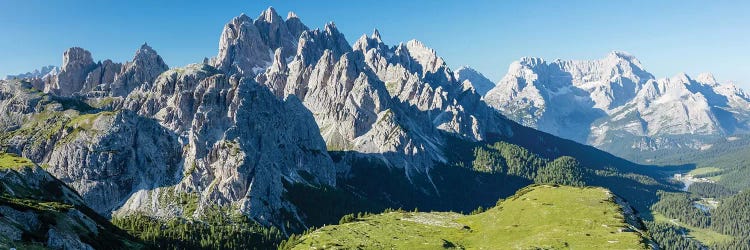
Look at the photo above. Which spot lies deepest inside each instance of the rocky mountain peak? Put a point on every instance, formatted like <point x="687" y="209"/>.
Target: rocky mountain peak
<point x="291" y="15"/>
<point x="312" y="43"/>
<point x="270" y="16"/>
<point x="241" y="48"/>
<point x="546" y="95"/>
<point x="425" y="56"/>
<point x="531" y="61"/>
<point x="76" y="56"/>
<point x="420" y="49"/>
<point x="615" y="104"/>
<point x="143" y="69"/>
<point x="681" y="77"/>
<point x="295" y="25"/>
<point x="706" y="78"/>
<point x="242" y="18"/>
<point x="467" y="70"/>
<point x="331" y="29"/>
<point x="80" y="75"/>
<point x="246" y="47"/>
<point x="148" y="57"/>
<point x="620" y="56"/>
<point x="145" y="49"/>
<point x="275" y="32"/>
<point x="365" y="43"/>
<point x="477" y="80"/>
<point x="77" y="62"/>
<point x="376" y="35"/>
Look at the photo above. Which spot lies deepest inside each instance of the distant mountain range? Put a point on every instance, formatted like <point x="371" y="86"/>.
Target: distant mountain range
<point x="38" y="73"/>
<point x="616" y="105"/>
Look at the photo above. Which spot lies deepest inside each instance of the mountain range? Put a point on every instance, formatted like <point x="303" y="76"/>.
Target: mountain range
<point x="292" y="128"/>
<point x="38" y="73"/>
<point x="616" y="105"/>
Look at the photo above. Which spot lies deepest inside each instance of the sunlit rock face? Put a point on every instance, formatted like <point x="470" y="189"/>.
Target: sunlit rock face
<point x="235" y="130"/>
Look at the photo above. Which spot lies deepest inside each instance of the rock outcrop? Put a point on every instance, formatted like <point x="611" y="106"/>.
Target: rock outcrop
<point x="77" y="63"/>
<point x="241" y="143"/>
<point x="80" y="75"/>
<point x="37" y="209"/>
<point x="106" y="156"/>
<point x="104" y="74"/>
<point x="468" y="76"/>
<point x="145" y="67"/>
<point x="241" y="49"/>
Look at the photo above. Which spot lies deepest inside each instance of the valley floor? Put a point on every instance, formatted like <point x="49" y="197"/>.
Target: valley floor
<point x="704" y="235"/>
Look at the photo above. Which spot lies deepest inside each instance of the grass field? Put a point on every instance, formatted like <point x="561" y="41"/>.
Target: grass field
<point x="704" y="170"/>
<point x="544" y="217"/>
<point x="13" y="161"/>
<point x="705" y="236"/>
<point x="707" y="170"/>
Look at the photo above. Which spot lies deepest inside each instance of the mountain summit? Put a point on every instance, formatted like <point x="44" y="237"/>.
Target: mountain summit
<point x="479" y="82"/>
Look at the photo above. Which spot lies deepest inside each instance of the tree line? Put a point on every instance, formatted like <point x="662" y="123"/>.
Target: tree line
<point x="731" y="217"/>
<point x="211" y="232"/>
<point x="710" y="190"/>
<point x="506" y="158"/>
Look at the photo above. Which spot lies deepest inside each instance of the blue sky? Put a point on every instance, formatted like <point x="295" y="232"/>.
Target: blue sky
<point x="668" y="37"/>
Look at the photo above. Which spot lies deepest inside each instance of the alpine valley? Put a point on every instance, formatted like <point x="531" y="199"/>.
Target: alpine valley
<point x="293" y="137"/>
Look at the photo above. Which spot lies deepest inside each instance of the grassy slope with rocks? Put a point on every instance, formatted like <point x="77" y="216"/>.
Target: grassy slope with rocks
<point x="541" y="216"/>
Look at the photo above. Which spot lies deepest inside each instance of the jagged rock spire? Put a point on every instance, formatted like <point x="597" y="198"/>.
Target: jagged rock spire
<point x="365" y="43"/>
<point x="313" y="43"/>
<point x="291" y="15"/>
<point x="241" y="48"/>
<point x="331" y="29"/>
<point x="376" y="35"/>
<point x="77" y="63"/>
<point x="295" y="25"/>
<point x="269" y="15"/>
<point x="145" y="67"/>
<point x="274" y="31"/>
<point x="246" y="47"/>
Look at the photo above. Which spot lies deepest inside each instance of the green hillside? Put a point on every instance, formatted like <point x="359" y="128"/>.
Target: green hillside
<point x="536" y="217"/>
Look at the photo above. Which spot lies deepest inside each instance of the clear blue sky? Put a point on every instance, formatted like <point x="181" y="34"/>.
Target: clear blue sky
<point x="667" y="36"/>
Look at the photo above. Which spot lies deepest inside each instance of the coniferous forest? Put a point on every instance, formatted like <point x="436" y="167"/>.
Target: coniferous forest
<point x="729" y="218"/>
